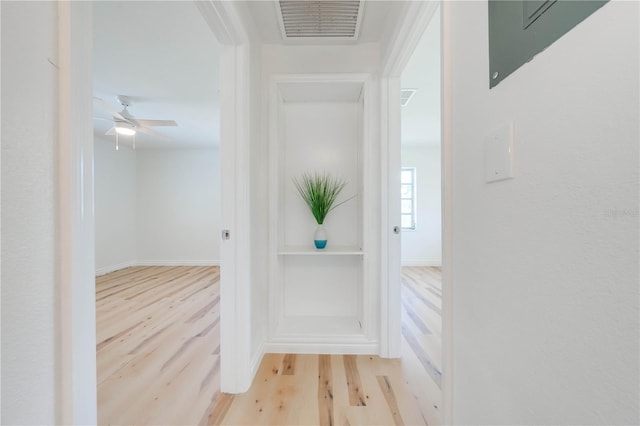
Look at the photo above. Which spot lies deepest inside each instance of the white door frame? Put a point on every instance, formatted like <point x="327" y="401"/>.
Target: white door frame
<point x="415" y="20"/>
<point x="390" y="323"/>
<point x="75" y="307"/>
<point x="446" y="72"/>
<point x="235" y="253"/>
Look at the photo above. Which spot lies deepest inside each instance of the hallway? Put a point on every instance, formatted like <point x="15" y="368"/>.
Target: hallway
<point x="357" y="390"/>
<point x="158" y="360"/>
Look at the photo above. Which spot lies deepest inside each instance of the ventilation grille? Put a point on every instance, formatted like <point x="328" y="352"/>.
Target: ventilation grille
<point x="323" y="18"/>
<point x="406" y="95"/>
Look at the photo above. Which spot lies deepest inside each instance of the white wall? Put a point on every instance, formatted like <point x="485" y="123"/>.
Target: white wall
<point x="115" y="189"/>
<point x="159" y="206"/>
<point x="545" y="278"/>
<point x="420" y="122"/>
<point x="29" y="132"/>
<point x="321" y="137"/>
<point x="178" y="206"/>
<point x="321" y="59"/>
<point x="423" y="246"/>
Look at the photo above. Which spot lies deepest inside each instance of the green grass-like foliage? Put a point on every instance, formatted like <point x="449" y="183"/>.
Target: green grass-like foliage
<point x="319" y="191"/>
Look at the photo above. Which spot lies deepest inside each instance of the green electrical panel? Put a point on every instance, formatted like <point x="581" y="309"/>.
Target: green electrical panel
<point x="520" y="29"/>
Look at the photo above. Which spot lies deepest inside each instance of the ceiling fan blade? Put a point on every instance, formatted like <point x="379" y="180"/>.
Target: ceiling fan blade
<point x="111" y="131"/>
<point x="105" y="105"/>
<point x="103" y="119"/>
<point x="152" y="133"/>
<point x="156" y="123"/>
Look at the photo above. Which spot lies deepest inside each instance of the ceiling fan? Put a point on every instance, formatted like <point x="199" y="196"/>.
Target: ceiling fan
<point x="126" y="124"/>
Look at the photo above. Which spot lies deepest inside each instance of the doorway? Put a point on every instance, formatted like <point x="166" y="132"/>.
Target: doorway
<point x="421" y="218"/>
<point x="76" y="182"/>
<point x="430" y="377"/>
<point x="157" y="212"/>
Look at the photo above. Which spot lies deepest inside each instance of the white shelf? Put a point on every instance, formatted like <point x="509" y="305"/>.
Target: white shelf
<point x="318" y="326"/>
<point x="312" y="251"/>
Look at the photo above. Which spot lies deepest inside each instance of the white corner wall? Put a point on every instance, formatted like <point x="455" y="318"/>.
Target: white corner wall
<point x="156" y="207"/>
<point x="29" y="288"/>
<point x="545" y="266"/>
<point x="115" y="190"/>
<point x="178" y="206"/>
<point x="423" y="246"/>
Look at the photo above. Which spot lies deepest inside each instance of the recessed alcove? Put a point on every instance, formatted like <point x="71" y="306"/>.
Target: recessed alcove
<point x="320" y="300"/>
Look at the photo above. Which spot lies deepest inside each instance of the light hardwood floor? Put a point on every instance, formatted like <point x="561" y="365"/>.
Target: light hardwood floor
<point x="157" y="344"/>
<point x="158" y="360"/>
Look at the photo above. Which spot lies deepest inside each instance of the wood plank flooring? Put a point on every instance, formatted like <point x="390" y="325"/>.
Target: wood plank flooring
<point x="326" y="390"/>
<point x="158" y="360"/>
<point x="158" y="344"/>
<point x="421" y="300"/>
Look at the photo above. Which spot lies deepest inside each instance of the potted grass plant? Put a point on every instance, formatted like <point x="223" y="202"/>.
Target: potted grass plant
<point x="320" y="191"/>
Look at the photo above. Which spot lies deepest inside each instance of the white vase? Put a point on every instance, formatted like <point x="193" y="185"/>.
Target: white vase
<point x="320" y="237"/>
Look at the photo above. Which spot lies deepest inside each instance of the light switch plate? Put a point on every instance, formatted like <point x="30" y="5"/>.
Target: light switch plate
<point x="498" y="154"/>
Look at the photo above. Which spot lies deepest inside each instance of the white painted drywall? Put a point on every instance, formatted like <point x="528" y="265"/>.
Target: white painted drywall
<point x="421" y="116"/>
<point x="29" y="133"/>
<point x="423" y="246"/>
<point x="178" y="206"/>
<point x="157" y="206"/>
<point x="321" y="137"/>
<point x="320" y="59"/>
<point x="545" y="266"/>
<point x="115" y="189"/>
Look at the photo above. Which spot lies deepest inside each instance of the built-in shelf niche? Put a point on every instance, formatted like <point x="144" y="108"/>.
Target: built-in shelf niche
<point x="312" y="251"/>
<point x="319" y="300"/>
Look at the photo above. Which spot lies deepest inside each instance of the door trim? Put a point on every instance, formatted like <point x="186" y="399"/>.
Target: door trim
<point x="390" y="321"/>
<point x="447" y="213"/>
<point x="237" y="365"/>
<point x="416" y="19"/>
<point x="75" y="308"/>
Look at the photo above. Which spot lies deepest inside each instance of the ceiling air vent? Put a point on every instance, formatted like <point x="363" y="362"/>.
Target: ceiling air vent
<point x="320" y="19"/>
<point x="406" y="95"/>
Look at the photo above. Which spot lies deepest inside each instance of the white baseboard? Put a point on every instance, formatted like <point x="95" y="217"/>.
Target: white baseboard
<point x="178" y="263"/>
<point x="256" y="360"/>
<point x="421" y="262"/>
<point x="112" y="268"/>
<point x="322" y="348"/>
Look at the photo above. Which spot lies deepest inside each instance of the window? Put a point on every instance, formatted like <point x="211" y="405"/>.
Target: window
<point x="408" y="198"/>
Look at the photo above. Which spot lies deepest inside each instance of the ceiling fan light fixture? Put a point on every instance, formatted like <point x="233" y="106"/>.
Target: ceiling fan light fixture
<point x="125" y="129"/>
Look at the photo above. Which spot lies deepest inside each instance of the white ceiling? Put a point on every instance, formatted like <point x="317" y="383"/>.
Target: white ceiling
<point x="376" y="16"/>
<point x="164" y="56"/>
